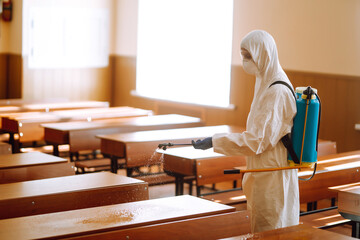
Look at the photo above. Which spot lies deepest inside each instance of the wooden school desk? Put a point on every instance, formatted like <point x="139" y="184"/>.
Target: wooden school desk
<point x="69" y="193"/>
<point x="25" y="127"/>
<point x="182" y="162"/>
<point x="50" y="106"/>
<point x="349" y="204"/>
<point x="5" y="148"/>
<point x="31" y="166"/>
<point x="131" y="221"/>
<point x="300" y="231"/>
<point x="138" y="147"/>
<point x="332" y="170"/>
<point x="82" y="136"/>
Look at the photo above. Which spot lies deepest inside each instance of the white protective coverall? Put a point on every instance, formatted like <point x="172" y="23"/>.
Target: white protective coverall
<point x="272" y="197"/>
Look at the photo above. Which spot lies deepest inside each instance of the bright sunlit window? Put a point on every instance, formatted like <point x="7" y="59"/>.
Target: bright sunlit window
<point x="184" y="50"/>
<point x="68" y="37"/>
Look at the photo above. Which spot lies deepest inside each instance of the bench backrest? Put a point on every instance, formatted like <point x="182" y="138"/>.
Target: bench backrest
<point x="326" y="148"/>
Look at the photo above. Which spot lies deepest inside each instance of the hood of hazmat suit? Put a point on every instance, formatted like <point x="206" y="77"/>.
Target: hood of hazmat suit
<point x="272" y="197"/>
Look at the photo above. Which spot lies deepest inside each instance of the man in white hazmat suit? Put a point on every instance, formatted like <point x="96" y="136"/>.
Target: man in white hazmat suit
<point x="272" y="197"/>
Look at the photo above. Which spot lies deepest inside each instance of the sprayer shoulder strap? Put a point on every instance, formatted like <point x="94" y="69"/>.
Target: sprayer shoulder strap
<point x="286" y="139"/>
<point x="286" y="84"/>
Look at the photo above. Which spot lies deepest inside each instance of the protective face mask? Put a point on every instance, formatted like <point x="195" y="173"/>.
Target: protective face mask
<point x="250" y="67"/>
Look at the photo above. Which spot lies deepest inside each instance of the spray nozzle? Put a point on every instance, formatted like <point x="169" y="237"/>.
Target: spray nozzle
<point x="164" y="146"/>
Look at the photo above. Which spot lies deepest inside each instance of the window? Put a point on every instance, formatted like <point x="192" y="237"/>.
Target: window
<point x="68" y="37"/>
<point x="184" y="50"/>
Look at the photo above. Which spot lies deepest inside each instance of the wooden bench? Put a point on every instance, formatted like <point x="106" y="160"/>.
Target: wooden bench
<point x="138" y="148"/>
<point x="32" y="166"/>
<point x="95" y="165"/>
<point x="324" y="218"/>
<point x="332" y="170"/>
<point x="25" y="126"/>
<point x="69" y="193"/>
<point x="162" y="218"/>
<point x="334" y="173"/>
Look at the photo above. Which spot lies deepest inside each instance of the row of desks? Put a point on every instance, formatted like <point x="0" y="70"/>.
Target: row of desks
<point x="139" y="148"/>
<point x="26" y="126"/>
<point x="82" y="135"/>
<point x="177" y="217"/>
<point x="98" y="205"/>
<point x="160" y="217"/>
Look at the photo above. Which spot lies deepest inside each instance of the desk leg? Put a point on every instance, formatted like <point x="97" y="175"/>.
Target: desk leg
<point x="15" y="143"/>
<point x="129" y="171"/>
<point x="355" y="229"/>
<point x="333" y="202"/>
<point x="55" y="150"/>
<point x="179" y="185"/>
<point x="311" y="206"/>
<point x="114" y="164"/>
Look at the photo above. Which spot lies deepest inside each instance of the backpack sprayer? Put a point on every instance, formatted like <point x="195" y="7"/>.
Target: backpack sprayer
<point x="302" y="146"/>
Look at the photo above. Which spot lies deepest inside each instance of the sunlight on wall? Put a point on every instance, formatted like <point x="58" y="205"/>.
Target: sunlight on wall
<point x="184" y="50"/>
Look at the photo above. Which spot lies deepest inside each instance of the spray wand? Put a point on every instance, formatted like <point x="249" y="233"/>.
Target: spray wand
<point x="164" y="146"/>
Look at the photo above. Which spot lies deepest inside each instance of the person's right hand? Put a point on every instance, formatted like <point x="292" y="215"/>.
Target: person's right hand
<point x="203" y="144"/>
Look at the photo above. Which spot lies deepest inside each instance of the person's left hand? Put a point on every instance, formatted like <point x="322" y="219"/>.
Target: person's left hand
<point x="203" y="144"/>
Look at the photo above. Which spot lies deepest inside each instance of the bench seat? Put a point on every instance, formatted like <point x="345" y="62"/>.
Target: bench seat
<point x="324" y="219"/>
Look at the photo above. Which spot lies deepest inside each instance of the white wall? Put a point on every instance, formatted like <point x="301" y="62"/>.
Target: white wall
<point x="126" y="27"/>
<point x="312" y="35"/>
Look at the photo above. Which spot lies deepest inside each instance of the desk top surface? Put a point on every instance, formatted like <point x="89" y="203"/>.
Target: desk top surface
<point x="352" y="187"/>
<point x="64" y="184"/>
<point x="99" y="219"/>
<point x="170" y="134"/>
<point x="125" y="122"/>
<point x="76" y="114"/>
<point x="189" y="153"/>
<point x="54" y="101"/>
<point x="19" y="160"/>
<point x="335" y="162"/>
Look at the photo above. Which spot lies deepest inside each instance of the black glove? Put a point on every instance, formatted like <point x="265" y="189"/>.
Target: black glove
<point x="203" y="144"/>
